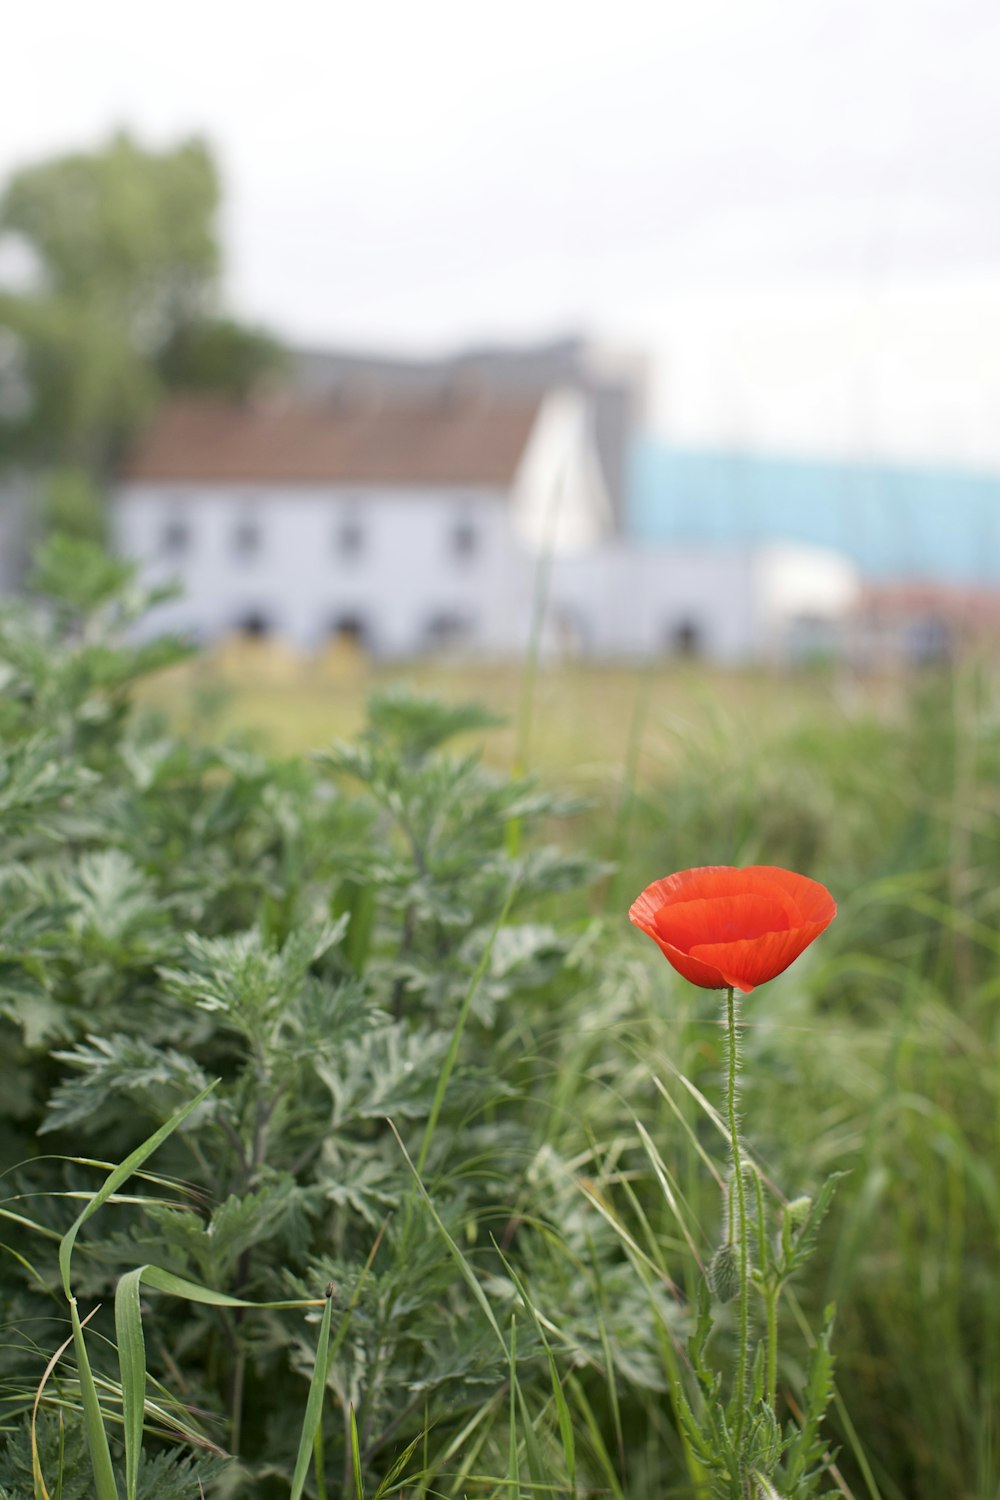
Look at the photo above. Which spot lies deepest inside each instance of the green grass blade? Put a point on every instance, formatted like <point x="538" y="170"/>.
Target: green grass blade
<point x="597" y="1442"/>
<point x="193" y="1291"/>
<point x="662" y="1173"/>
<point x="121" y="1174"/>
<point x="132" y="1352"/>
<point x="399" y="1465"/>
<point x="558" y="1396"/>
<point x="513" y="1469"/>
<point x="41" y="1493"/>
<point x="532" y="1447"/>
<point x="132" y="1368"/>
<point x="314" y="1404"/>
<point x="359" y="1486"/>
<point x="105" y="1487"/>
<point x="468" y="1275"/>
<point x="456" y="1036"/>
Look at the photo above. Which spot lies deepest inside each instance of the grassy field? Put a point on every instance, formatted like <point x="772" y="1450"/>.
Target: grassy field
<point x="588" y="721"/>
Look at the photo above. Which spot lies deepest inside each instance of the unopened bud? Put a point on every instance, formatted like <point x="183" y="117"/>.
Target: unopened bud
<point x="797" y="1212"/>
<point x="724" y="1273"/>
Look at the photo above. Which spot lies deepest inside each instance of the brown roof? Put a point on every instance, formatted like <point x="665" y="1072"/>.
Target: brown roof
<point x="454" y="439"/>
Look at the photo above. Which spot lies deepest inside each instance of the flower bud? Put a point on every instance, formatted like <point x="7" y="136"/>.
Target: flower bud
<point x="797" y="1212"/>
<point x="724" y="1273"/>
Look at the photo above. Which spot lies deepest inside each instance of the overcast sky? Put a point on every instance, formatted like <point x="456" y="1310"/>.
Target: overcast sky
<point x="790" y="207"/>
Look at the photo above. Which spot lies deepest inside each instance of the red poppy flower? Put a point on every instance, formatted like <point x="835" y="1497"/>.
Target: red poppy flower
<point x="722" y="926"/>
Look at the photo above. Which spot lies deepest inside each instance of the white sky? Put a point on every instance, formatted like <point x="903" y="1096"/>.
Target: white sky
<point x="791" y="208"/>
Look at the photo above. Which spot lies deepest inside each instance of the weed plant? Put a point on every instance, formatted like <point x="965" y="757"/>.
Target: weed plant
<point x="418" y="1152"/>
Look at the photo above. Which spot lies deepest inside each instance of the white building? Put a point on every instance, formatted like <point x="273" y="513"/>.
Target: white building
<point x="414" y="522"/>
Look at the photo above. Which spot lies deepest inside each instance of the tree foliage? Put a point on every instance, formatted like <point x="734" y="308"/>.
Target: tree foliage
<point x="122" y="301"/>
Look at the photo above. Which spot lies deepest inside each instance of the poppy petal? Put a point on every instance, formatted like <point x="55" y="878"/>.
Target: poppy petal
<point x="754" y="961"/>
<point x="813" y="900"/>
<point x="720" y="925"/>
<point x="695" y="969"/>
<point x="726" y="919"/>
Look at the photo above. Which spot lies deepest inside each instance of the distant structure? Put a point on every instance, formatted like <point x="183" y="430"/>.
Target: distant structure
<point x="612" y="386"/>
<point x="417" y="508"/>
<point x="896" y="523"/>
<point x="413" y="506"/>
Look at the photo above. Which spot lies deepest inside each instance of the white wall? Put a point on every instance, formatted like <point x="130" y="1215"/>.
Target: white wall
<point x="405" y="572"/>
<point x="627" y="601"/>
<point x="615" y="600"/>
<point x="558" y="497"/>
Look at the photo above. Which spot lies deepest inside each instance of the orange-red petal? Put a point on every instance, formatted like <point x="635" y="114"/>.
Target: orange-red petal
<point x="720" y="925"/>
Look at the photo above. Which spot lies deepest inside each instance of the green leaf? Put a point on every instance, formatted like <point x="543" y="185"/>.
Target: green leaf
<point x="558" y="1395"/>
<point x="314" y="1403"/>
<point x="132" y="1369"/>
<point x="192" y="1291"/>
<point x="468" y="1275"/>
<point x="105" y="1487"/>
<point x="120" y="1175"/>
<point x="359" y="1487"/>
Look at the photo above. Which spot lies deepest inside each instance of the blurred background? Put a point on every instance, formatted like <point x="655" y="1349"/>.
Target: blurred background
<point x="644" y="333"/>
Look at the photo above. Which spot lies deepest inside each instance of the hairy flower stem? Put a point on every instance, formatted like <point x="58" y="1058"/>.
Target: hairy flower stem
<point x="741" y="1214"/>
<point x="771" y="1294"/>
<point x="770" y="1287"/>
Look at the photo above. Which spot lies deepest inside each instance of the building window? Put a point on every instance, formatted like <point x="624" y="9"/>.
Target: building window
<point x="350" y="630"/>
<point x="246" y="537"/>
<point x="254" y="625"/>
<point x="350" y="537"/>
<point x="175" y="538"/>
<point x="686" y="638"/>
<point x="464" y="539"/>
<point x="448" y="631"/>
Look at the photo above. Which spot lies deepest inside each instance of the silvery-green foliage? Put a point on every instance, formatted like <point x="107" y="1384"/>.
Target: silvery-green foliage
<point x="307" y="933"/>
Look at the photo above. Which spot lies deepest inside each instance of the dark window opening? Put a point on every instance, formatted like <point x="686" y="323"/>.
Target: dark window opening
<point x="464" y="539"/>
<point x="350" y="630"/>
<point x="254" y="625"/>
<point x="350" y="539"/>
<point x="246" y="538"/>
<point x="176" y="536"/>
<point x="686" y="639"/>
<point x="447" y="630"/>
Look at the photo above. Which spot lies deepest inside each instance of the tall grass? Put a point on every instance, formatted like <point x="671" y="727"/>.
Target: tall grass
<point x="882" y="1058"/>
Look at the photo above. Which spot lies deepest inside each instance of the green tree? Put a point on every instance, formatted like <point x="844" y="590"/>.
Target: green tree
<point x="126" y="265"/>
<point x="219" y="355"/>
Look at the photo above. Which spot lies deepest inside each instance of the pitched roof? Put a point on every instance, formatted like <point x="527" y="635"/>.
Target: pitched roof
<point x="452" y="439"/>
<point x="613" y="385"/>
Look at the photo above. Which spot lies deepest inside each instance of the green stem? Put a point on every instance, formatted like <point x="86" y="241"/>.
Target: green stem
<point x="236" y="1403"/>
<point x="771" y="1294"/>
<point x="770" y="1286"/>
<point x="741" y="1215"/>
